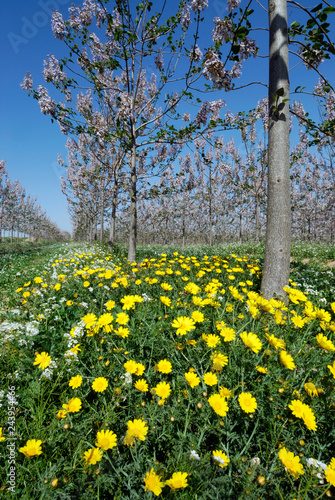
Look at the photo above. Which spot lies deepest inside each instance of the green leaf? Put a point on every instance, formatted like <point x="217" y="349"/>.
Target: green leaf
<point x="280" y="92"/>
<point x="295" y="25"/>
<point x="318" y="7"/>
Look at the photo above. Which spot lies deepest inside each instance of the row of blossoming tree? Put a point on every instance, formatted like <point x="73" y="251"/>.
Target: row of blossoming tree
<point x="130" y="81"/>
<point x="21" y="215"/>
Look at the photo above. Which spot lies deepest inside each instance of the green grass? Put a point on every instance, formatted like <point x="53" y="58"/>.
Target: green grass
<point x="73" y="281"/>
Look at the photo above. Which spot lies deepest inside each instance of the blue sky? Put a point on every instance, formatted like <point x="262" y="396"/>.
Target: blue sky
<point x="30" y="143"/>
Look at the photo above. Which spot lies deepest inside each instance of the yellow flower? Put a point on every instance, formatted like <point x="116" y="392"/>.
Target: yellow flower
<point x="247" y="402"/>
<point x="153" y="483"/>
<point x="128" y="302"/>
<point x="130" y="366"/>
<point x="75" y="349"/>
<point x="166" y="287"/>
<point x="73" y="405"/>
<point x="137" y="428"/>
<point x="219" y="361"/>
<point x="141" y="385"/>
<point x="332" y="369"/>
<point x="183" y="325"/>
<point x="219" y="404"/>
<point x="325" y="343"/>
<point x="197" y="301"/>
<point x="309" y="418"/>
<point x="139" y="370"/>
<point x="323" y="315"/>
<point x="76" y="382"/>
<point x="165" y="300"/>
<point x="85" y="284"/>
<point x="92" y="456"/>
<point x="38" y="280"/>
<point x="252" y="341"/>
<point x="291" y="462"/>
<point x="89" y="320"/>
<point x="42" y="360"/>
<point x="330" y="476"/>
<point x="261" y="369"/>
<point x="286" y="360"/>
<point x="164" y="366"/>
<point x="162" y="390"/>
<point x="275" y="342"/>
<point x="228" y="334"/>
<point x="220" y="458"/>
<point x="210" y="379"/>
<point x="224" y="392"/>
<point x="303" y="411"/>
<point x="212" y="340"/>
<point x="32" y="448"/>
<point x="99" y="384"/>
<point x="122" y="318"/>
<point x="122" y="332"/>
<point x="298" y="321"/>
<point x="1" y="436"/>
<point x="105" y="319"/>
<point x="297" y="408"/>
<point x="198" y="317"/>
<point x="178" y="480"/>
<point x="110" y="305"/>
<point x="69" y="302"/>
<point x="192" y="379"/>
<point x="192" y="288"/>
<point x="106" y="440"/>
<point x="61" y="414"/>
<point x="311" y="389"/>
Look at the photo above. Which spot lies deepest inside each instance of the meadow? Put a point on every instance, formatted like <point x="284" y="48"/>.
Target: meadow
<point x="170" y="377"/>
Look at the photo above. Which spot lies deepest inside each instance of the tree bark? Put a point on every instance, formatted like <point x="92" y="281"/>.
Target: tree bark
<point x="278" y="230"/>
<point x="133" y="206"/>
<point x="113" y="216"/>
<point x="102" y="208"/>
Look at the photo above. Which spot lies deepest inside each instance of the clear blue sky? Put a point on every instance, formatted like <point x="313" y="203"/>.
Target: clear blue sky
<point x="30" y="143"/>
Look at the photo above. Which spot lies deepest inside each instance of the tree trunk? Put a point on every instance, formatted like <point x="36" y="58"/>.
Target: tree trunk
<point x="113" y="217"/>
<point x="184" y="230"/>
<point x="133" y="206"/>
<point x="276" y="270"/>
<point x="102" y="215"/>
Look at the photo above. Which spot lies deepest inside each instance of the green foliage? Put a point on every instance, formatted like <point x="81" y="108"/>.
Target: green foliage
<point x="52" y="315"/>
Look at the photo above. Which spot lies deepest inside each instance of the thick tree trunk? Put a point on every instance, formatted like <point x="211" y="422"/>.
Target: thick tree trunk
<point x="133" y="206"/>
<point x="278" y="230"/>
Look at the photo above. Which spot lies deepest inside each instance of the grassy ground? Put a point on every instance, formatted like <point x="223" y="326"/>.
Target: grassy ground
<point x="168" y="378"/>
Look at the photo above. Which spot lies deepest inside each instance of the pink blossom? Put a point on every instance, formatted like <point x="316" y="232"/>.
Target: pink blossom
<point x="198" y="5"/>
<point x="232" y="4"/>
<point x="185" y="19"/>
<point x="47" y="105"/>
<point x="27" y="83"/>
<point x="215" y="71"/>
<point x="58" y="26"/>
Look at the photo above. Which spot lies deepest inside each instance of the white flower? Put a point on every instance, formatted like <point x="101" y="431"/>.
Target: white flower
<point x="316" y="463"/>
<point x="127" y="378"/>
<point x="254" y="462"/>
<point x="194" y="455"/>
<point x="218" y="459"/>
